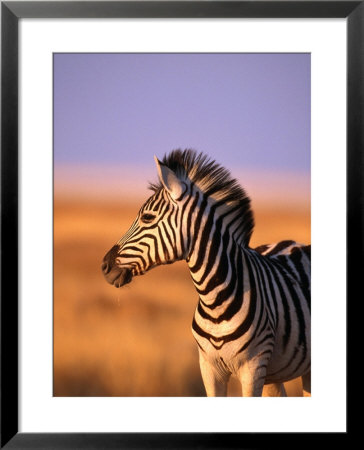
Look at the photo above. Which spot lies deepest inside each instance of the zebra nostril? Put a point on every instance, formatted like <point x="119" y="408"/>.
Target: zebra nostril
<point x="105" y="267"/>
<point x="109" y="260"/>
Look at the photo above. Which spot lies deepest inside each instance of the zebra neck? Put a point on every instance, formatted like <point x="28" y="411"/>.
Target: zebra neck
<point x="220" y="277"/>
<point x="210" y="224"/>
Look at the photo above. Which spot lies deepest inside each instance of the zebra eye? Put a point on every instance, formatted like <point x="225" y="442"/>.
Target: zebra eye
<point x="147" y="218"/>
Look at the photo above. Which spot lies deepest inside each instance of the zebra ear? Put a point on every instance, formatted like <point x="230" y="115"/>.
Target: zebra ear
<point x="169" y="179"/>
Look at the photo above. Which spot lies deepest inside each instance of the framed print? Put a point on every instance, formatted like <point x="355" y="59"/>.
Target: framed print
<point x="91" y="91"/>
<point x="216" y="93"/>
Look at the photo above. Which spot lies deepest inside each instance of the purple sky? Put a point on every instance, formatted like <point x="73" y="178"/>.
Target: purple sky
<point x="245" y="110"/>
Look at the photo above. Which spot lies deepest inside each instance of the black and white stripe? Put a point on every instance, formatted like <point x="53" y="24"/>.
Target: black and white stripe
<point x="253" y="314"/>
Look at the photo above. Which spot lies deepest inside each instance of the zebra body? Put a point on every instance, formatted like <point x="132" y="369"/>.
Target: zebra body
<point x="253" y="314"/>
<point x="272" y="338"/>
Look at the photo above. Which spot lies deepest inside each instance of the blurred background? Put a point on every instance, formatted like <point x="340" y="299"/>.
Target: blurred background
<point x="112" y="113"/>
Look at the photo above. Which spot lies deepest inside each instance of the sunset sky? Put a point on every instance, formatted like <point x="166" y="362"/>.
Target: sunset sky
<point x="113" y="112"/>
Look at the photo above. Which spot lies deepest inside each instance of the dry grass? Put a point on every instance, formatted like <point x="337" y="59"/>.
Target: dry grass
<point x="134" y="341"/>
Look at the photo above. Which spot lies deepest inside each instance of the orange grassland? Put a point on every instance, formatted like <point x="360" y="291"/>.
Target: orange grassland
<point x="134" y="341"/>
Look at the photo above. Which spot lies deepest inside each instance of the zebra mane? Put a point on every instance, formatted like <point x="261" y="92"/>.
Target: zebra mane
<point x="213" y="180"/>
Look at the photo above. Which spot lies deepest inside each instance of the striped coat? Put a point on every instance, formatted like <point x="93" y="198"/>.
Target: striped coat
<point x="253" y="314"/>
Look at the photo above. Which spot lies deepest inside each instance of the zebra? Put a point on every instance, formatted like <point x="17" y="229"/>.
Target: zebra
<point x="252" y="318"/>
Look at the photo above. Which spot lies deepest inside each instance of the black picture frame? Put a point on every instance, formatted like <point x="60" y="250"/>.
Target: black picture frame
<point x="11" y="12"/>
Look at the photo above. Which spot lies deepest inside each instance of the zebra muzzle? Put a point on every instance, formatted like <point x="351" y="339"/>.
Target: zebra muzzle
<point x="117" y="276"/>
<point x="123" y="278"/>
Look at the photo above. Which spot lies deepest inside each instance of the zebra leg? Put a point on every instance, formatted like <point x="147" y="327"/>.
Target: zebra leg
<point x="214" y="380"/>
<point x="306" y="384"/>
<point x="274" y="390"/>
<point x="252" y="379"/>
<point x="252" y="375"/>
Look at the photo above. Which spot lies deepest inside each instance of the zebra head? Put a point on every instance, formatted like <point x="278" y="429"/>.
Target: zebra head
<point x="194" y="204"/>
<point x="154" y="238"/>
